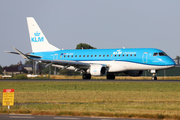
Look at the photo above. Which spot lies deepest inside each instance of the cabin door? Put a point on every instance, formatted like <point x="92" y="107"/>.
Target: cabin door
<point x="145" y="57"/>
<point x="55" y="57"/>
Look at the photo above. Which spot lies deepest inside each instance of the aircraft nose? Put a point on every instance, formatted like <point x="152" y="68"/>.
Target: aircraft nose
<point x="169" y="62"/>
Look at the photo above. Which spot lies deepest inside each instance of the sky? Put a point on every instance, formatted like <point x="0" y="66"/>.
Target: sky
<point x="100" y="23"/>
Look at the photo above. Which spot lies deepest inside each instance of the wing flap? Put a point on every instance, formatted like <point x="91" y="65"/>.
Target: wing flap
<point x="65" y="63"/>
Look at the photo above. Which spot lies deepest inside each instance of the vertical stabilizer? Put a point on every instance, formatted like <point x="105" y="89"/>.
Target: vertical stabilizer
<point x="38" y="41"/>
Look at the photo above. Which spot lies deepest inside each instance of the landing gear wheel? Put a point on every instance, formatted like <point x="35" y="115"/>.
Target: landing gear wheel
<point x="110" y="76"/>
<point x="86" y="76"/>
<point x="154" y="77"/>
<point x="89" y="76"/>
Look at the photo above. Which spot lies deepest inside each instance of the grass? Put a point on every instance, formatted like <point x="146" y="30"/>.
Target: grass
<point x="110" y="99"/>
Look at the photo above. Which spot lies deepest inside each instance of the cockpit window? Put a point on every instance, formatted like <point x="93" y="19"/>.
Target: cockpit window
<point x="162" y="54"/>
<point x="155" y="54"/>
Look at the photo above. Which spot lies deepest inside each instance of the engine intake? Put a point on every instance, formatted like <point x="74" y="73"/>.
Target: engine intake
<point x="97" y="70"/>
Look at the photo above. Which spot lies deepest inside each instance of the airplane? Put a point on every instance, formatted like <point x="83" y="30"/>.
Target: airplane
<point x="95" y="62"/>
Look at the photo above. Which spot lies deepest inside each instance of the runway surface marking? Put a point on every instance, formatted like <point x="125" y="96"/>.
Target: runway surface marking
<point x="67" y="118"/>
<point x="49" y="117"/>
<point x="106" y="119"/>
<point x="20" y="116"/>
<point x="101" y="117"/>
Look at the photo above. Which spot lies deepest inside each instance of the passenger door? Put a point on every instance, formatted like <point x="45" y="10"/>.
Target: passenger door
<point x="55" y="57"/>
<point x="145" y="57"/>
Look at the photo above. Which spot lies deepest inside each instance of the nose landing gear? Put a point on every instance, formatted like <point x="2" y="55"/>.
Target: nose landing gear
<point x="154" y="77"/>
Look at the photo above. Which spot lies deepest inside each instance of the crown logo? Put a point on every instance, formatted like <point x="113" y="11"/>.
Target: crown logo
<point x="37" y="34"/>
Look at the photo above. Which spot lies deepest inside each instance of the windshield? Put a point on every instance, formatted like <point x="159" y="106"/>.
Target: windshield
<point x="160" y="54"/>
<point x="155" y="54"/>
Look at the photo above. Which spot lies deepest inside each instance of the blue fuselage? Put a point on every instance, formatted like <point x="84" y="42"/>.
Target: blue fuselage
<point x="144" y="56"/>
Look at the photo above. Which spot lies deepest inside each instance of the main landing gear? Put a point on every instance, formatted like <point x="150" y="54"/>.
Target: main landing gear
<point x="110" y="76"/>
<point x="86" y="76"/>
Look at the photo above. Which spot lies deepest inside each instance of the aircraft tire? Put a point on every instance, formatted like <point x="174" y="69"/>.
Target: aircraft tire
<point x="86" y="76"/>
<point x="110" y="76"/>
<point x="154" y="78"/>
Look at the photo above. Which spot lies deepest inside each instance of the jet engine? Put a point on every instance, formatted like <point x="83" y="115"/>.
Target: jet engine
<point x="97" y="70"/>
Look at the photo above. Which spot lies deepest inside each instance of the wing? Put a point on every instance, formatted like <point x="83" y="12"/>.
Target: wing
<point x="59" y="63"/>
<point x="64" y="63"/>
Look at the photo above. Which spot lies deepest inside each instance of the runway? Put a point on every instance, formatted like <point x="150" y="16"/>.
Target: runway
<point x="42" y="117"/>
<point x="81" y="80"/>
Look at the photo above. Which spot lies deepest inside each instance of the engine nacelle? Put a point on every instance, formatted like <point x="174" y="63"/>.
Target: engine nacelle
<point x="97" y="70"/>
<point x="134" y="73"/>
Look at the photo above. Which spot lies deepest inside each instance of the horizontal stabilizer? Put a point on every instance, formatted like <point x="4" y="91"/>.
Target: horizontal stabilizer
<point x="11" y="52"/>
<point x="20" y="53"/>
<point x="26" y="56"/>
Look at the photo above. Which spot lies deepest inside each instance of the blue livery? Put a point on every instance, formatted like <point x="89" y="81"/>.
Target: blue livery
<point x="96" y="62"/>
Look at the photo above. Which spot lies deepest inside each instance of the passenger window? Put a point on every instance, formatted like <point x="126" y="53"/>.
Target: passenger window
<point x="155" y="54"/>
<point x="83" y="55"/>
<point x="127" y="55"/>
<point x="99" y="55"/>
<point x="115" y="55"/>
<point x="72" y="56"/>
<point x="131" y="55"/>
<point x="123" y="55"/>
<point x="119" y="55"/>
<point x="91" y="55"/>
<point x="111" y="55"/>
<point x="64" y="56"/>
<point x="103" y="55"/>
<point x="95" y="55"/>
<point x="107" y="55"/>
<point x="87" y="55"/>
<point x="75" y="55"/>
<point x="79" y="55"/>
<point x="68" y="55"/>
<point x="61" y="56"/>
<point x="135" y="55"/>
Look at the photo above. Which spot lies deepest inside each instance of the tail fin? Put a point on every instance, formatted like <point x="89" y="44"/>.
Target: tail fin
<point x="39" y="43"/>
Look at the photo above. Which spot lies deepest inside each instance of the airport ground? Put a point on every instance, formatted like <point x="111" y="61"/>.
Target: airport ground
<point x="117" y="98"/>
<point x="65" y="77"/>
<point x="51" y="117"/>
